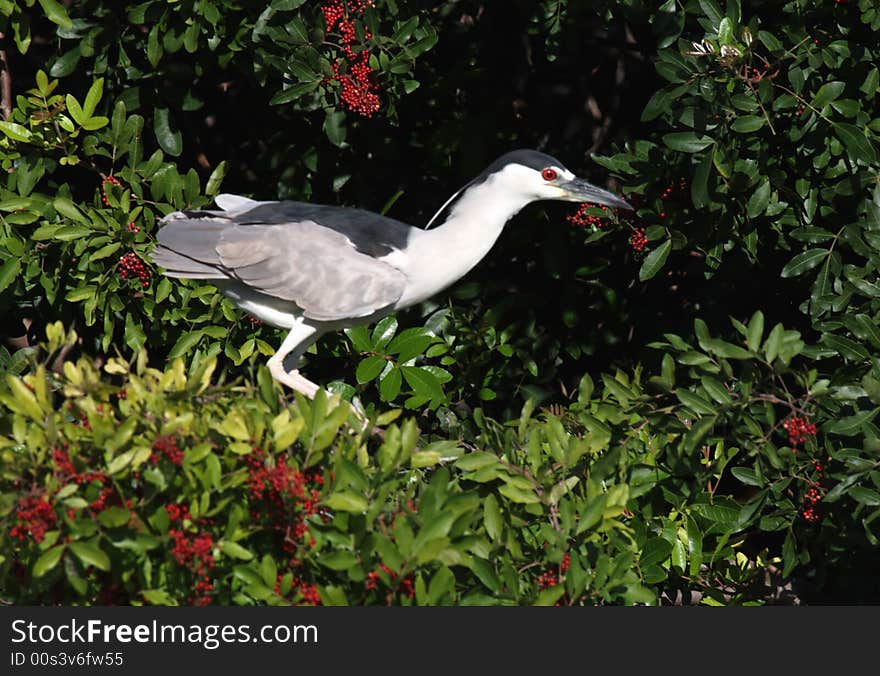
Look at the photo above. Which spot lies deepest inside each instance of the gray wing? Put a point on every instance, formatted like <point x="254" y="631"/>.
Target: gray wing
<point x="318" y="268"/>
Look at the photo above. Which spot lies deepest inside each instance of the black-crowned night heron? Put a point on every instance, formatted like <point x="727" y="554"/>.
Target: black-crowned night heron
<point x="312" y="269"/>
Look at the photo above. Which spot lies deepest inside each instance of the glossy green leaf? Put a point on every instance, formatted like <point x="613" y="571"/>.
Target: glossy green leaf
<point x="654" y="261"/>
<point x="170" y="141"/>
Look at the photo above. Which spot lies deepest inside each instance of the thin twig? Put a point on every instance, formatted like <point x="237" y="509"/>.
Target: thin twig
<point x="5" y="81"/>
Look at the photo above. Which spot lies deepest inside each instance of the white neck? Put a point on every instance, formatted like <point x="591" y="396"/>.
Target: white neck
<point x="437" y="258"/>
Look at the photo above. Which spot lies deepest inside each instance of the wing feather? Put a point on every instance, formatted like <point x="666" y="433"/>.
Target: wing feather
<point x="318" y="269"/>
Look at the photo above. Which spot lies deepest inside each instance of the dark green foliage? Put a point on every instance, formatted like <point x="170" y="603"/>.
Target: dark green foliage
<point x="681" y="467"/>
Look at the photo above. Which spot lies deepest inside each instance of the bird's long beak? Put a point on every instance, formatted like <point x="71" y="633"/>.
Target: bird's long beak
<point x="578" y="190"/>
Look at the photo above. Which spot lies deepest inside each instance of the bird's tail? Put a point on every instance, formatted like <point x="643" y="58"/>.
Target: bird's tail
<point x="187" y="245"/>
<point x="188" y="240"/>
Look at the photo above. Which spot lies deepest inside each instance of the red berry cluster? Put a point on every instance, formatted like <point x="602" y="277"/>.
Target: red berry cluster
<point x="132" y="227"/>
<point x="177" y="512"/>
<point x="112" y="180"/>
<point x="254" y="321"/>
<point x="405" y="586"/>
<point x="166" y="446"/>
<point x="811" y="498"/>
<point x="550" y="578"/>
<point x="309" y="592"/>
<point x="130" y="266"/>
<point x="799" y="430"/>
<point x="34" y="516"/>
<point x="813" y="494"/>
<point x="547" y="579"/>
<point x="582" y="219"/>
<point x="333" y="13"/>
<point x="195" y="553"/>
<point x="66" y="472"/>
<point x="290" y="495"/>
<point x="638" y="240"/>
<point x="99" y="504"/>
<point x="359" y="88"/>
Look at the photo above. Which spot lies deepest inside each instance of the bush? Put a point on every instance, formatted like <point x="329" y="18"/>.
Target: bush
<point x="672" y="407"/>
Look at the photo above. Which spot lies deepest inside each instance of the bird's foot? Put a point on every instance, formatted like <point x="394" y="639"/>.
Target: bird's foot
<point x="293" y="379"/>
<point x="297" y="382"/>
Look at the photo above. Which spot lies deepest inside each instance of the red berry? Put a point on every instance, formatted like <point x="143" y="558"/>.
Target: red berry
<point x="638" y="240"/>
<point x="584" y="220"/>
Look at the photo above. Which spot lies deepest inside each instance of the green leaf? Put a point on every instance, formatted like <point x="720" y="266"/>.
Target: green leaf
<point x="345" y="501"/>
<point x="695" y="402"/>
<point x="69" y="210"/>
<point x="716" y="390"/>
<point x="656" y="106"/>
<point x="789" y="554"/>
<point x="853" y="424"/>
<point x="338" y="560"/>
<point x="15" y="131"/>
<point x="857" y="144"/>
<point x="65" y="64"/>
<point x="134" y="335"/>
<point x="154" y="46"/>
<point x="773" y="342"/>
<point x="295" y="92"/>
<point x="360" y="338"/>
<point x="383" y="333"/>
<point x="804" y="262"/>
<point x="759" y="200"/>
<point x="746" y="475"/>
<point x="93" y="97"/>
<point x="235" y="550"/>
<point x="169" y="140"/>
<point x="56" y="13"/>
<point x="215" y="179"/>
<point x="185" y="343"/>
<point x="724" y="349"/>
<point x="849" y="349"/>
<point x="370" y="368"/>
<point x="697" y="433"/>
<point x="114" y="517"/>
<point x="389" y="386"/>
<point x="75" y="110"/>
<point x="827" y="93"/>
<point x="687" y="141"/>
<point x="549" y="596"/>
<point x="755" y="331"/>
<point x="48" y="560"/>
<point x="518" y="495"/>
<point x="423" y="382"/>
<point x="713" y="11"/>
<point x="656" y="550"/>
<point x="745" y="124"/>
<point x="865" y="496"/>
<point x="654" y="261"/>
<point x="334" y="127"/>
<point x="492" y="517"/>
<point x="9" y="272"/>
<point x="409" y="344"/>
<point x="90" y="555"/>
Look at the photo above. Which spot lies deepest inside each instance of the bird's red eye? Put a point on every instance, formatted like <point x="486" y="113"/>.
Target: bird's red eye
<point x="549" y="174"/>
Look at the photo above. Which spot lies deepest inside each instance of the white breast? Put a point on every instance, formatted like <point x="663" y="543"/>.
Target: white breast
<point x="434" y="259"/>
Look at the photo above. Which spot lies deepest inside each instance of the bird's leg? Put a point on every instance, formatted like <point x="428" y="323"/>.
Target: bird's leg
<point x="294" y="380"/>
<point x="290" y="351"/>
